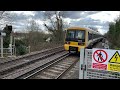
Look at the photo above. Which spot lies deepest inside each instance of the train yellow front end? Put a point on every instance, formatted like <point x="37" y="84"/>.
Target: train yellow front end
<point x="73" y="47"/>
<point x="75" y="39"/>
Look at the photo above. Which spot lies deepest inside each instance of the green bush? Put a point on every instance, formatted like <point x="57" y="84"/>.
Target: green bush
<point x="21" y="50"/>
<point x="114" y="33"/>
<point x="117" y="48"/>
<point x="20" y="47"/>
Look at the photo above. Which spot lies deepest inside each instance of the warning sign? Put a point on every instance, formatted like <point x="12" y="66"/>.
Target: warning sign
<point x="99" y="57"/>
<point x="115" y="58"/>
<point x="100" y="66"/>
<point x="106" y="59"/>
<point x="114" y="67"/>
<point x="114" y="62"/>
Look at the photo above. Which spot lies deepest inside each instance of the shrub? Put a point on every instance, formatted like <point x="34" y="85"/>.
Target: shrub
<point x="21" y="50"/>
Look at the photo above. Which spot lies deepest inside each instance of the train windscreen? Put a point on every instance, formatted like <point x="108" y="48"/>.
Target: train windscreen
<point x="75" y="35"/>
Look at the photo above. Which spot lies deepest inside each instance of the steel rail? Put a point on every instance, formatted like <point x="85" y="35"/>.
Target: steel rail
<point x="8" y="69"/>
<point x="43" y="67"/>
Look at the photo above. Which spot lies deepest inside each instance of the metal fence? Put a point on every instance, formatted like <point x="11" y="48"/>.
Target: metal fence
<point x="86" y="72"/>
<point x="7" y="52"/>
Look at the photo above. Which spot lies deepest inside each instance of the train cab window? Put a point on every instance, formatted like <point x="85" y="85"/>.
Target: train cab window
<point x="80" y="34"/>
<point x="70" y="34"/>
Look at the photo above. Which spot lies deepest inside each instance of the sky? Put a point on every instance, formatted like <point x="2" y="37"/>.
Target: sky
<point x="98" y="19"/>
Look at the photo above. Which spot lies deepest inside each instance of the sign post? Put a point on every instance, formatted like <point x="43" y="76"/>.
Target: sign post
<point x="2" y="34"/>
<point x="81" y="65"/>
<point x="11" y="44"/>
<point x="1" y="46"/>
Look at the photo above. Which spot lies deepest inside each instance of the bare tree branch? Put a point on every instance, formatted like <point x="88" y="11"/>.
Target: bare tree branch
<point x="48" y="16"/>
<point x="50" y="29"/>
<point x="1" y="14"/>
<point x="56" y="25"/>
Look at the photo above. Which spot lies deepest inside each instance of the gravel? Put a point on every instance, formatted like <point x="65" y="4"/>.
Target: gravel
<point x="30" y="67"/>
<point x="74" y="72"/>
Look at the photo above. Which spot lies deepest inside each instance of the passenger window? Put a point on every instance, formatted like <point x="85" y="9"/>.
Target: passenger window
<point x="89" y="36"/>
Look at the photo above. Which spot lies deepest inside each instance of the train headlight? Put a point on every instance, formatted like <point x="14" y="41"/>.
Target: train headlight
<point x="67" y="42"/>
<point x="80" y="43"/>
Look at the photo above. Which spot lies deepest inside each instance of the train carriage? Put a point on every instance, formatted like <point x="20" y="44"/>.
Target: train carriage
<point x="78" y="37"/>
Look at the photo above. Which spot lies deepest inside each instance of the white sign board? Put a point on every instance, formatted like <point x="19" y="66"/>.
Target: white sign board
<point x="106" y="59"/>
<point x="3" y="34"/>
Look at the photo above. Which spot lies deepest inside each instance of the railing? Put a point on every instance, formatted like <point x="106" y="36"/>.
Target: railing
<point x="8" y="52"/>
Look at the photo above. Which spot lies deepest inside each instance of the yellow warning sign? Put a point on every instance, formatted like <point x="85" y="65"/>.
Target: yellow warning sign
<point x="114" y="62"/>
<point x="114" y="67"/>
<point x="115" y="58"/>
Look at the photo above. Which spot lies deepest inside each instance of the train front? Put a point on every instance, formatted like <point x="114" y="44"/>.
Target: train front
<point x="74" y="40"/>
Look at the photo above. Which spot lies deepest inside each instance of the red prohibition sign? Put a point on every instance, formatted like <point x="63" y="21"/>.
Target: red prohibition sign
<point x="103" y="60"/>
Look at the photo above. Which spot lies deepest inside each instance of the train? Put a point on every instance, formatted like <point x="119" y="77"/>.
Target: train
<point x="80" y="37"/>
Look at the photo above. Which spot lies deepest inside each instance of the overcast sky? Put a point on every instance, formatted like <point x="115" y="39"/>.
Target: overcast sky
<point x="99" y="19"/>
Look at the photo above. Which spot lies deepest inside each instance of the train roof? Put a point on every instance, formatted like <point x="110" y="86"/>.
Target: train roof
<point x="83" y="28"/>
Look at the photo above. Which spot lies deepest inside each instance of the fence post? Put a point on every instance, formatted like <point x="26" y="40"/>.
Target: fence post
<point x="29" y="48"/>
<point x="11" y="47"/>
<point x="15" y="50"/>
<point x="81" y="70"/>
<point x="1" y="46"/>
<point x="85" y="63"/>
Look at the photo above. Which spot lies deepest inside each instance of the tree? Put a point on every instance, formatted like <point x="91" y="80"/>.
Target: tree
<point x="1" y="14"/>
<point x="5" y="18"/>
<point x="34" y="36"/>
<point x="33" y="32"/>
<point x="114" y="33"/>
<point x="55" y="25"/>
<point x="33" y="26"/>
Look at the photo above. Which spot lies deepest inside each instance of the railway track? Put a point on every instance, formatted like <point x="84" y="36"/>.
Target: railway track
<point x="52" y="70"/>
<point x="31" y="55"/>
<point x="9" y="66"/>
<point x="29" y="68"/>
